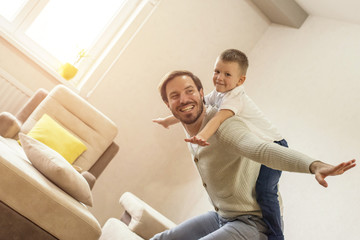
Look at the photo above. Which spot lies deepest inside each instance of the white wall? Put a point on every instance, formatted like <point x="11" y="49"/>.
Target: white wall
<point x="23" y="69"/>
<point x="307" y="81"/>
<point x="154" y="163"/>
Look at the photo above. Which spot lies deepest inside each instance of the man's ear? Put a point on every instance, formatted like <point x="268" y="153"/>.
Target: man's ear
<point x="167" y="104"/>
<point x="202" y="94"/>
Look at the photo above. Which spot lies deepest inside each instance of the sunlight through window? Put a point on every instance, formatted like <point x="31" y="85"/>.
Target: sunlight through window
<point x="9" y="9"/>
<point x="65" y="27"/>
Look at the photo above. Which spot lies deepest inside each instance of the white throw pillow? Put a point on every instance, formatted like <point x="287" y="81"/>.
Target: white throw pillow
<point x="53" y="166"/>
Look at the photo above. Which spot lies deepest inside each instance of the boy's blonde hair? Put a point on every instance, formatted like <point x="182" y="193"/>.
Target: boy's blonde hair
<point x="234" y="55"/>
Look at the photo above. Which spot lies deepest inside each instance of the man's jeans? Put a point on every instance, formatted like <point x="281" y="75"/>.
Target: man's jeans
<point x="210" y="226"/>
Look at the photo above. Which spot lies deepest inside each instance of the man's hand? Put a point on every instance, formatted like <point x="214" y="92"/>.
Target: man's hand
<point x="322" y="170"/>
<point x="197" y="140"/>
<point x="162" y="121"/>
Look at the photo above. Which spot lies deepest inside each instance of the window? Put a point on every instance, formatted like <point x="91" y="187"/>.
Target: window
<point x="56" y="31"/>
<point x="9" y="9"/>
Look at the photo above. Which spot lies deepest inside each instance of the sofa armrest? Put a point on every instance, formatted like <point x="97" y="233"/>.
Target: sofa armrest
<point x="91" y="179"/>
<point x="31" y="104"/>
<point x="115" y="229"/>
<point x="9" y="125"/>
<point x="104" y="160"/>
<point x="145" y="221"/>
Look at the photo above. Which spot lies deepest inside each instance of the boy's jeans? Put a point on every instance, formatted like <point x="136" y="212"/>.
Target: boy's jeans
<point x="267" y="197"/>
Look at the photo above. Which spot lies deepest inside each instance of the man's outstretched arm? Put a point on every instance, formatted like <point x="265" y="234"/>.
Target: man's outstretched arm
<point x="241" y="140"/>
<point x="322" y="170"/>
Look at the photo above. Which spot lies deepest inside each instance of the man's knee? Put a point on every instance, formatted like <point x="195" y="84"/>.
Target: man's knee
<point x="163" y="236"/>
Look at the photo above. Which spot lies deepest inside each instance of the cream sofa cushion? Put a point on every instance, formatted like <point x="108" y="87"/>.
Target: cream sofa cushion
<point x="57" y="169"/>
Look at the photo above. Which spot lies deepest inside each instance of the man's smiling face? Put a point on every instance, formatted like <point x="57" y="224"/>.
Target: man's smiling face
<point x="184" y="100"/>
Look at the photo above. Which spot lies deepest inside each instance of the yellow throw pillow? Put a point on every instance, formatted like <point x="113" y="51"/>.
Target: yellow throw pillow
<point x="52" y="134"/>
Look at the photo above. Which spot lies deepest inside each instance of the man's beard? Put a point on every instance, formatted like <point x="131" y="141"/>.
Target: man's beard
<point x="192" y="119"/>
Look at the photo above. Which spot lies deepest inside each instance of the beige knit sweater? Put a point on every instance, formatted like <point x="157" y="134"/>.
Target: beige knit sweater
<point x="230" y="165"/>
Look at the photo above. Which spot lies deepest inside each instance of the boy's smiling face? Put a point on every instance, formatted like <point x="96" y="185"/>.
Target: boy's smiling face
<point x="227" y="75"/>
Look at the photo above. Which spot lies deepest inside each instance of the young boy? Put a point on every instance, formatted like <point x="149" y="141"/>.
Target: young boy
<point x="230" y="98"/>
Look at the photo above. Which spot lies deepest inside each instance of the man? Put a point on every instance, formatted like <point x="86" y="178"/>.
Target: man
<point x="229" y="166"/>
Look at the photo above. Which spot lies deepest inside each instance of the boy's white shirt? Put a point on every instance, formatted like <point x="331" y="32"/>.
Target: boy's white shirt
<point x="241" y="105"/>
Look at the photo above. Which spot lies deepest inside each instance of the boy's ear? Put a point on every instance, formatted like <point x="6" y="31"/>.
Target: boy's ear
<point x="241" y="80"/>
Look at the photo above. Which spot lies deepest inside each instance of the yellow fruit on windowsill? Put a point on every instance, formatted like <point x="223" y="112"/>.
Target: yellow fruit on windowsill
<point x="67" y="71"/>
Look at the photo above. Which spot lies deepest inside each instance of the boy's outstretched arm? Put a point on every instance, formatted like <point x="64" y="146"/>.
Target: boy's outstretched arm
<point x="322" y="170"/>
<point x="210" y="128"/>
<point x="167" y="121"/>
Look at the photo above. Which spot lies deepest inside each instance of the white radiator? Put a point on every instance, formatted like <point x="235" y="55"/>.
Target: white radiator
<point x="13" y="94"/>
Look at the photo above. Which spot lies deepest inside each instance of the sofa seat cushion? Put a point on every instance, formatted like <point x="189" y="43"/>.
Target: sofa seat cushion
<point x="27" y="191"/>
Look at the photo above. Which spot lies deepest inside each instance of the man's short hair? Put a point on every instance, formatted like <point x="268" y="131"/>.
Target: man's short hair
<point x="171" y="75"/>
<point x="234" y="55"/>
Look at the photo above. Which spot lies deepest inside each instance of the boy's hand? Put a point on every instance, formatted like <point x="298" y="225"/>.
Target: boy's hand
<point x="197" y="140"/>
<point x="162" y="122"/>
<point x="322" y="170"/>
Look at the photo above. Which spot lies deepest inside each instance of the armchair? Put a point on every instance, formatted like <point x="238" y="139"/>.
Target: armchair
<point x="31" y="206"/>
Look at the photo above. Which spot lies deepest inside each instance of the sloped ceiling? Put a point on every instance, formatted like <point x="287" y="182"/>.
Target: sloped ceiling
<point x="285" y="12"/>
<point x="342" y="10"/>
<point x="294" y="12"/>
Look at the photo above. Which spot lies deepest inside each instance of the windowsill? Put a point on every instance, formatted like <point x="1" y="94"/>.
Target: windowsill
<point x="53" y="73"/>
